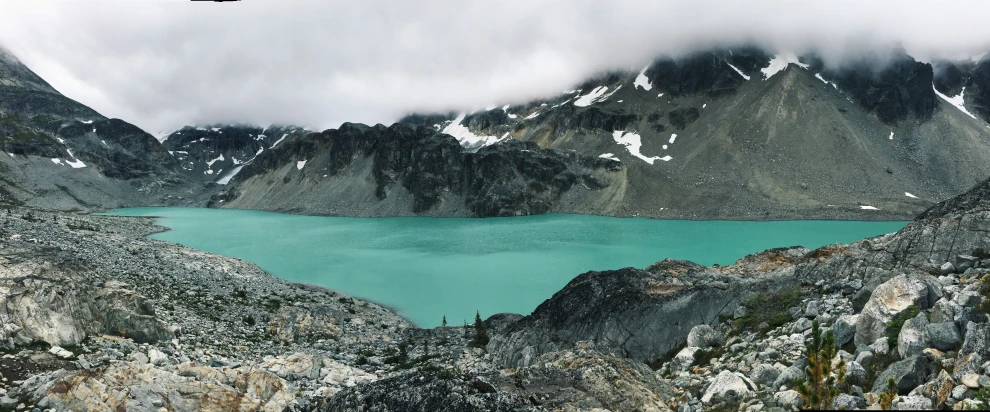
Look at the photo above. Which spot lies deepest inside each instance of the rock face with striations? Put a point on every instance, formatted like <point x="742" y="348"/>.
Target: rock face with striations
<point x="218" y="152"/>
<point x="403" y="170"/>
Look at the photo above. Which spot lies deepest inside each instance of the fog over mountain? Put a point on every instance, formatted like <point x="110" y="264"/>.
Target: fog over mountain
<point x="165" y="64"/>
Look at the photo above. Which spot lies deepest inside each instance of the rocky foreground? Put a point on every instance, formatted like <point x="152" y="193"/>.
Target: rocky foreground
<point x="95" y="316"/>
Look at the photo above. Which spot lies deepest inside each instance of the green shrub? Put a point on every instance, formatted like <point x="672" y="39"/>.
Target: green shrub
<point x="895" y="325"/>
<point x="771" y="308"/>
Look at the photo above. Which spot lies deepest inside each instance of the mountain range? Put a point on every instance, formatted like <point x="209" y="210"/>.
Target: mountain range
<point x="727" y="134"/>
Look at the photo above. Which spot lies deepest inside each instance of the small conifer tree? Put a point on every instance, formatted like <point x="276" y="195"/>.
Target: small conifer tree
<point x="480" y="334"/>
<point x="820" y="388"/>
<point x="887" y="397"/>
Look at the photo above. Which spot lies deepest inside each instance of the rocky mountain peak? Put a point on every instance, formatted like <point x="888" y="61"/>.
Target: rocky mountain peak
<point x="13" y="73"/>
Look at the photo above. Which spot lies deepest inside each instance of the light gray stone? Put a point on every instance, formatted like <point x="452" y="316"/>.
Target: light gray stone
<point x="703" y="336"/>
<point x="943" y="311"/>
<point x="812" y="311"/>
<point x="967" y="298"/>
<point x="764" y="374"/>
<point x="864" y="358"/>
<point x="789" y="376"/>
<point x="727" y="386"/>
<point x="855" y="371"/>
<point x="844" y="329"/>
<point x="890" y="299"/>
<point x="946" y="268"/>
<point x="801" y="325"/>
<point x="912" y="403"/>
<point x="977" y="340"/>
<point x="848" y="402"/>
<point x="913" y="337"/>
<point x="739" y="312"/>
<point x="684" y="359"/>
<point x="960" y="392"/>
<point x="157" y="357"/>
<point x="880" y="346"/>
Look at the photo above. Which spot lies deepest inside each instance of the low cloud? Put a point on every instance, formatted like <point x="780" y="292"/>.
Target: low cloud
<point x="165" y="64"/>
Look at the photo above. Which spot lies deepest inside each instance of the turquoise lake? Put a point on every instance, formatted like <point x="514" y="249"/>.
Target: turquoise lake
<point x="430" y="267"/>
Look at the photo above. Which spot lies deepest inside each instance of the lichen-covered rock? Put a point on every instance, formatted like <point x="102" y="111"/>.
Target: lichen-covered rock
<point x="844" y="329"/>
<point x="728" y="386"/>
<point x="944" y="336"/>
<point x="913" y="337"/>
<point x="887" y="301"/>
<point x="848" y="402"/>
<point x="907" y="373"/>
<point x="144" y="387"/>
<point x="764" y="374"/>
<point x="684" y="359"/>
<point x="311" y="322"/>
<point x="703" y="336"/>
<point x="912" y="403"/>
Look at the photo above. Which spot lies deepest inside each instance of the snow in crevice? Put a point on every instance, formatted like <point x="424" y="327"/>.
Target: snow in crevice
<point x="75" y="163"/>
<point x="86" y="121"/>
<point x="60" y="140"/>
<point x="506" y="110"/>
<point x="891" y="137"/>
<point x="219" y="158"/>
<point x="642" y="80"/>
<point x="779" y="63"/>
<point x="301" y="164"/>
<point x="279" y="140"/>
<point x="233" y="172"/>
<point x="868" y="208"/>
<point x="104" y="143"/>
<point x="738" y="71"/>
<point x="955" y="100"/>
<point x="465" y="137"/>
<point x="633" y="142"/>
<point x="673" y="136"/>
<point x="595" y="96"/>
<point x="215" y="129"/>
<point x="54" y="160"/>
<point x="609" y="156"/>
<point x="819" y="77"/>
<point x="910" y="195"/>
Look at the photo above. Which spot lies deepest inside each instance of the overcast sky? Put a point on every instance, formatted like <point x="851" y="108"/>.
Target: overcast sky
<point x="165" y="64"/>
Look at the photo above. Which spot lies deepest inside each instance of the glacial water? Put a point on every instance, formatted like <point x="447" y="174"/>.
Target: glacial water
<point x="427" y="267"/>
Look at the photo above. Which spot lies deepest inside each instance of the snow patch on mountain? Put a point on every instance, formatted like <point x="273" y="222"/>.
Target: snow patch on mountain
<point x="738" y="71"/>
<point x="300" y="164"/>
<point x="595" y="96"/>
<point x="226" y="179"/>
<point x="633" y="142"/>
<point x="465" y="137"/>
<point x="609" y="156"/>
<point x="211" y="162"/>
<point x="642" y="80"/>
<point x="506" y="110"/>
<point x="279" y="140"/>
<point x="955" y="100"/>
<point x="779" y="63"/>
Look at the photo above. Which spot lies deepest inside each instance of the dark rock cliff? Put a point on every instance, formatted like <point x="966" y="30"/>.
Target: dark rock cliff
<point x="894" y="91"/>
<point x="510" y="178"/>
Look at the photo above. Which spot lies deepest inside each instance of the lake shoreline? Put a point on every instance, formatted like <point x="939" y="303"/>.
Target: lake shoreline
<point x="499" y="265"/>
